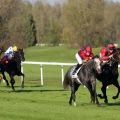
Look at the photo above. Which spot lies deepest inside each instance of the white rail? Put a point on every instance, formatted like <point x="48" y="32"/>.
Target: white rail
<point x="48" y="63"/>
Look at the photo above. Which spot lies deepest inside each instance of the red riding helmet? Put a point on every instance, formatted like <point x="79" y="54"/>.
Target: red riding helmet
<point x="88" y="49"/>
<point x="111" y="46"/>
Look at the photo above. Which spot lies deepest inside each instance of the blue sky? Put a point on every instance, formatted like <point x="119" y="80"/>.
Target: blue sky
<point x="116" y="0"/>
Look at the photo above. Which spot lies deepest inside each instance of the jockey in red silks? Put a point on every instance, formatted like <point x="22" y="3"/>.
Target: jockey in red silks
<point x="83" y="55"/>
<point x="106" y="53"/>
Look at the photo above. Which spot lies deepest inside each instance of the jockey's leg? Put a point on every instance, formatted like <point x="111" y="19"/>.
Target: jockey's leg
<point x="76" y="70"/>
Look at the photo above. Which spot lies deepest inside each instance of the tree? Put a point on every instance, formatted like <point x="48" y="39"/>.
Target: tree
<point x="17" y="24"/>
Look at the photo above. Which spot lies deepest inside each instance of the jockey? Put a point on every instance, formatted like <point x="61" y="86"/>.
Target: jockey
<point x="9" y="53"/>
<point x="106" y="53"/>
<point x="83" y="55"/>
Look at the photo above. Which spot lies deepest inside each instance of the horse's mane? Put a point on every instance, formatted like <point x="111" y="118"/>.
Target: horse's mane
<point x="89" y="65"/>
<point x="18" y="55"/>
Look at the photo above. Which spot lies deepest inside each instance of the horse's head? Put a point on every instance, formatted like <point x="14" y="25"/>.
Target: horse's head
<point x="94" y="64"/>
<point x="116" y="56"/>
<point x="97" y="63"/>
<point x="19" y="55"/>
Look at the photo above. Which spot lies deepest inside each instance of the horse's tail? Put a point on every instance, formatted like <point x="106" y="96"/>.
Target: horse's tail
<point x="67" y="79"/>
<point x="66" y="82"/>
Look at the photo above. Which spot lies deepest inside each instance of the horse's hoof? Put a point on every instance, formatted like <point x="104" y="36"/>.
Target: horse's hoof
<point x="106" y="101"/>
<point x="8" y="86"/>
<point x="70" y="103"/>
<point x="100" y="96"/>
<point x="98" y="104"/>
<point x="114" y="97"/>
<point x="13" y="89"/>
<point x="74" y="104"/>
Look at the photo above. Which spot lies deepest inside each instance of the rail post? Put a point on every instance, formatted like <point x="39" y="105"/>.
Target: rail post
<point x="62" y="72"/>
<point x="41" y="74"/>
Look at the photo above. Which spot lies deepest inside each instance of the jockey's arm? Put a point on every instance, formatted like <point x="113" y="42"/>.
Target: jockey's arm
<point x="82" y="55"/>
<point x="104" y="57"/>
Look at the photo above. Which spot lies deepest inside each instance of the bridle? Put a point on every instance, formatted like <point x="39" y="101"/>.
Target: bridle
<point x="112" y="60"/>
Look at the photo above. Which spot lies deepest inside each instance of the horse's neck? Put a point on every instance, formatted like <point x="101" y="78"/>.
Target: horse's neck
<point x="89" y="66"/>
<point x="114" y="66"/>
<point x="17" y="58"/>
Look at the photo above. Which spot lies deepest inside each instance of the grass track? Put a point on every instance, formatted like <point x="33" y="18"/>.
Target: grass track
<point x="50" y="102"/>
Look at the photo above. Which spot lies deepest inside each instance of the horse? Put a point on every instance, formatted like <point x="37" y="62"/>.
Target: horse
<point x="109" y="75"/>
<point x="86" y="76"/>
<point x="13" y="67"/>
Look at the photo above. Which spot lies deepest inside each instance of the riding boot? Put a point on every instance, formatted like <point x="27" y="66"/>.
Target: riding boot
<point x="74" y="75"/>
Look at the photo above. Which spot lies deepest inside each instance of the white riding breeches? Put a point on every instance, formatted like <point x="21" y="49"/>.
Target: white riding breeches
<point x="79" y="59"/>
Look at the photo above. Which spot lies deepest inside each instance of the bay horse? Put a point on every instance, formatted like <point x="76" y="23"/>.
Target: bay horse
<point x="109" y="75"/>
<point x="13" y="67"/>
<point x="86" y="76"/>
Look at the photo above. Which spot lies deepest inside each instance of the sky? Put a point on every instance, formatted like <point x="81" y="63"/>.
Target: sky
<point x="50" y="1"/>
<point x="116" y="0"/>
<point x="54" y="1"/>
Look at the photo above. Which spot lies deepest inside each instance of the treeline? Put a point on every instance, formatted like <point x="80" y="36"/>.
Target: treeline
<point x="74" y="23"/>
<point x="16" y="24"/>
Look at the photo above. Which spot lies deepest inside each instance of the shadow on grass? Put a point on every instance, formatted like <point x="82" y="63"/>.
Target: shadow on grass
<point x="102" y="104"/>
<point x="29" y="89"/>
<point x="114" y="104"/>
<point x="47" y="90"/>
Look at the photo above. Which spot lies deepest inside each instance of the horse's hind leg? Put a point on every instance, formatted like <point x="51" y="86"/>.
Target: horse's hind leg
<point x="103" y="89"/>
<point x="74" y="88"/>
<point x="72" y="94"/>
<point x="117" y="85"/>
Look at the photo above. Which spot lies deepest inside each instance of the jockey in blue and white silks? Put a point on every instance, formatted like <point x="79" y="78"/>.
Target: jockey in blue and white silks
<point x="9" y="53"/>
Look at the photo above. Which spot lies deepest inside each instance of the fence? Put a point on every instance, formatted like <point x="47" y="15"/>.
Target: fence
<point x="47" y="63"/>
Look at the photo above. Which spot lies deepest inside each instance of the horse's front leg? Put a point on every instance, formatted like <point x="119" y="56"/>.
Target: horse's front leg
<point x="4" y="77"/>
<point x="12" y="81"/>
<point x="118" y="87"/>
<point x="94" y="92"/>
<point x="89" y="86"/>
<point x="104" y="94"/>
<point x="22" y="81"/>
<point x="74" y="88"/>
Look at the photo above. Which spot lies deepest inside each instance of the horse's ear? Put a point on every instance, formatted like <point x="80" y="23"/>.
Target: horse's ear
<point x="118" y="49"/>
<point x="21" y="49"/>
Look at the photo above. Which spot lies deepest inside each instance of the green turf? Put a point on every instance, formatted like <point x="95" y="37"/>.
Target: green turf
<point x="50" y="102"/>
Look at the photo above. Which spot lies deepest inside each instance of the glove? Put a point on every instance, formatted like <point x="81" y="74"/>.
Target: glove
<point x="84" y="60"/>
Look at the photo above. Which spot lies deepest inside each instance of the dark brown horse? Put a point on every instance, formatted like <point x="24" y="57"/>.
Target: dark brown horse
<point x="109" y="75"/>
<point x="86" y="76"/>
<point x="13" y="67"/>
